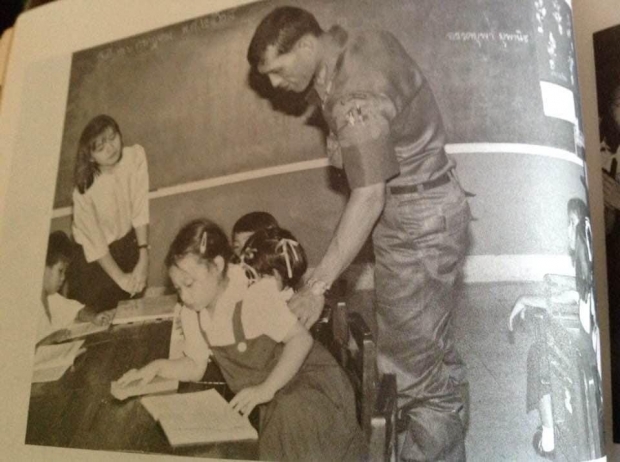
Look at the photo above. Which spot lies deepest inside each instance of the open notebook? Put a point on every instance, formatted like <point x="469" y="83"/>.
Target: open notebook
<point x="198" y="418"/>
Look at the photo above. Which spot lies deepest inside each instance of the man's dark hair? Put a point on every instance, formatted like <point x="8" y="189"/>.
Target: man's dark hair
<point x="282" y="28"/>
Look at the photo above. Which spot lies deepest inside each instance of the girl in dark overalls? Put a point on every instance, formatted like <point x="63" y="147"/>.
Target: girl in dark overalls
<point x="307" y="408"/>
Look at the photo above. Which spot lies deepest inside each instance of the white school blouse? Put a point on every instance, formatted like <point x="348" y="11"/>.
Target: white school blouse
<point x="63" y="311"/>
<point x="116" y="202"/>
<point x="264" y="312"/>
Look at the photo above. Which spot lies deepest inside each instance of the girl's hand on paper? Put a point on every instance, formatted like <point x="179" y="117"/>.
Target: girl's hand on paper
<point x="141" y="376"/>
<point x="248" y="398"/>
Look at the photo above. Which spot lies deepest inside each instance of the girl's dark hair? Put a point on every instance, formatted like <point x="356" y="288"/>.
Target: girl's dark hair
<point x="85" y="168"/>
<point x="59" y="247"/>
<point x="282" y="28"/>
<point x="269" y="250"/>
<point x="191" y="238"/>
<point x="254" y="221"/>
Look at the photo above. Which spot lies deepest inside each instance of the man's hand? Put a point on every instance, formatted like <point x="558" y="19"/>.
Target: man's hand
<point x="307" y="306"/>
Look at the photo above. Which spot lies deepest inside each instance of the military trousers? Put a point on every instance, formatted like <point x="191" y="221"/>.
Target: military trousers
<point x="420" y="243"/>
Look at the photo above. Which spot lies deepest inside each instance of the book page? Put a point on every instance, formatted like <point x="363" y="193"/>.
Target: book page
<point x="5" y="48"/>
<point x="195" y="418"/>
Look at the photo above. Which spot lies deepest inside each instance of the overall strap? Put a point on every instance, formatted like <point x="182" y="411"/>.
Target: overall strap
<point x="238" y="331"/>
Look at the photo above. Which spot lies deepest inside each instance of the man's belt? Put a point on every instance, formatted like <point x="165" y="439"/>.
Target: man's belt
<point x="418" y="188"/>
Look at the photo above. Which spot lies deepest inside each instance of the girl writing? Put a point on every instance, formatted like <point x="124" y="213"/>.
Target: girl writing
<point x="267" y="357"/>
<point x="110" y="217"/>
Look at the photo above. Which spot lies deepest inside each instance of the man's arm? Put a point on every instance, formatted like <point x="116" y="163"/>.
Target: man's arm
<point x="356" y="223"/>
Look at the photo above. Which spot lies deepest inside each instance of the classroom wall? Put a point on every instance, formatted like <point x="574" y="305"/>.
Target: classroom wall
<point x="507" y="221"/>
<point x="183" y="93"/>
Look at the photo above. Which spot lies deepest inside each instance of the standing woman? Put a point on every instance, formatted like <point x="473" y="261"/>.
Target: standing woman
<point x="110" y="217"/>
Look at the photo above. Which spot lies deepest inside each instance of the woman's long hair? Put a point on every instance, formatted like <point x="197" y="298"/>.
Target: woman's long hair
<point x="85" y="168"/>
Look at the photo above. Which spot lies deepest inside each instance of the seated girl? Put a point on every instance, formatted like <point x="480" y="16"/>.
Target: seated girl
<point x="307" y="408"/>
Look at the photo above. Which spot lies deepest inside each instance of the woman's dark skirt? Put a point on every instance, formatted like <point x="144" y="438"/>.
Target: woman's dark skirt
<point x="91" y="285"/>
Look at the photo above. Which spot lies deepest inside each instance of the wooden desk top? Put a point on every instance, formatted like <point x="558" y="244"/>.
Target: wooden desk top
<point x="78" y="410"/>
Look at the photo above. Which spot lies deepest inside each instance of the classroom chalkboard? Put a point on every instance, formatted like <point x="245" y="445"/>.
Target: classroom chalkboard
<point x="183" y="92"/>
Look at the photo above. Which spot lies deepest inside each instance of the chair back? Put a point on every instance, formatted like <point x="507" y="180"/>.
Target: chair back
<point x="354" y="347"/>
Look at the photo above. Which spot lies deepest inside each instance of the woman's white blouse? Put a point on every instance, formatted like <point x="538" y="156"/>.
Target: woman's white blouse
<point x="115" y="202"/>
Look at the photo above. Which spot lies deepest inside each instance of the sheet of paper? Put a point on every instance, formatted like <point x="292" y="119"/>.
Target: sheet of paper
<point x="83" y="329"/>
<point x="50" y="356"/>
<point x="50" y="374"/>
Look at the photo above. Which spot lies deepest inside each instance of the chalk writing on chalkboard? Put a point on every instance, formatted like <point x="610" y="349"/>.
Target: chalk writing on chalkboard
<point x="208" y="22"/>
<point x="141" y="45"/>
<point x="153" y="41"/>
<point x="506" y="38"/>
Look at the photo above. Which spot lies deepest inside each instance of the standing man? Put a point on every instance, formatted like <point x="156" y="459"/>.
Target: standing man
<point x="387" y="134"/>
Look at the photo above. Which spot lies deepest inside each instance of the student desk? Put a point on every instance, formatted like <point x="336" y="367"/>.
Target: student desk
<point x="78" y="410"/>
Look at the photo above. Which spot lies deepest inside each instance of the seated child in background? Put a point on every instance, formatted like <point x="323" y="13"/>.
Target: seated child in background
<point x="247" y="225"/>
<point x="566" y="295"/>
<point x="273" y="256"/>
<point x="266" y="356"/>
<point x="59" y="312"/>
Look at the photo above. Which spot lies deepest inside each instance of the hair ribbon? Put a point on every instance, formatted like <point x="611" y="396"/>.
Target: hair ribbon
<point x="203" y="244"/>
<point x="286" y="247"/>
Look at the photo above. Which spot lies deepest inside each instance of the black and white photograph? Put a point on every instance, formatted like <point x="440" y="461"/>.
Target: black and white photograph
<point x="333" y="230"/>
<point x="607" y="61"/>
